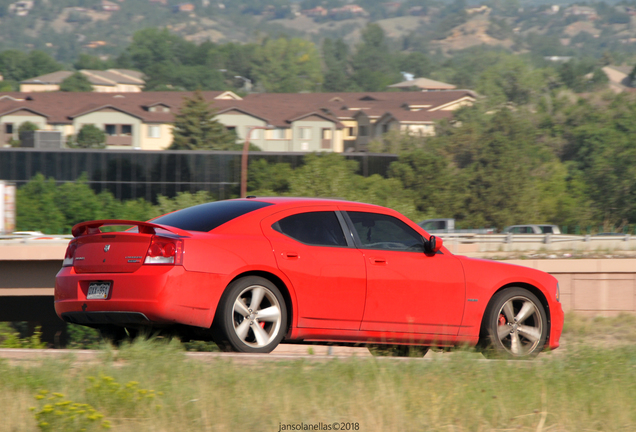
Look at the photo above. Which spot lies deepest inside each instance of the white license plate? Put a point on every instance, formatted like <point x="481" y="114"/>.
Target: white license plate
<point x="98" y="291"/>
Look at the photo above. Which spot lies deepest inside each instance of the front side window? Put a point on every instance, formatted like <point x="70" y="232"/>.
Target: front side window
<point x="384" y="232"/>
<point x="313" y="228"/>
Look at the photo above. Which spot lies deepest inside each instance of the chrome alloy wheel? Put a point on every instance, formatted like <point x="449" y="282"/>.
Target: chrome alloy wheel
<point x="257" y="316"/>
<point x="520" y="326"/>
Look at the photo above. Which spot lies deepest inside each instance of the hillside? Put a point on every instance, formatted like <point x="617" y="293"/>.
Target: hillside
<point x="66" y="28"/>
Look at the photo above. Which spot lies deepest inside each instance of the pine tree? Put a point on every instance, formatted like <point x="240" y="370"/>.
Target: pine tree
<point x="196" y="129"/>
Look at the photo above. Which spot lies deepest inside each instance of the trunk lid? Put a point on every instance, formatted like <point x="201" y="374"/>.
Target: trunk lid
<point x="111" y="252"/>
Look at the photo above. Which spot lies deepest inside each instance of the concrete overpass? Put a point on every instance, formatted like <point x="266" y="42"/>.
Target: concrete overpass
<point x="27" y="276"/>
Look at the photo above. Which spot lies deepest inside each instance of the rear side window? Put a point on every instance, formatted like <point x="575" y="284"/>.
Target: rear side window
<point x="313" y="228"/>
<point x="206" y="217"/>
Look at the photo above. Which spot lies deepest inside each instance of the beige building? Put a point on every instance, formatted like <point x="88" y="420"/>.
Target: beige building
<point x="275" y="122"/>
<point x="108" y="81"/>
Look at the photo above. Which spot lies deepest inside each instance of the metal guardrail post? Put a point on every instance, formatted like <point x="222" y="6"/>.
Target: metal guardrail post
<point x="548" y="238"/>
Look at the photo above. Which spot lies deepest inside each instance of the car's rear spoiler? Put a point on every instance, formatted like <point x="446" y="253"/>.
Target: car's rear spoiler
<point x="93" y="227"/>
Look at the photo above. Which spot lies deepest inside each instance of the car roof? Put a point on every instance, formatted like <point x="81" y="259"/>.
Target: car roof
<point x="294" y="201"/>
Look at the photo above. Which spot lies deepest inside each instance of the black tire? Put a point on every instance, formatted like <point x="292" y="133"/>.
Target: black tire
<point x="240" y="324"/>
<point x="388" y="350"/>
<point x="515" y="325"/>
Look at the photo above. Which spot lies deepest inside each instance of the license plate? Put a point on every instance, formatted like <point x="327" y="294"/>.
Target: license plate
<point x="98" y="291"/>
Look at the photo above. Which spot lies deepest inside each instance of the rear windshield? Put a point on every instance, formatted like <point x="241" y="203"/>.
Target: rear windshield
<point x="206" y="217"/>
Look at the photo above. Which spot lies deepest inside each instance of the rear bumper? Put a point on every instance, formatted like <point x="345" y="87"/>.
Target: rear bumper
<point x="152" y="295"/>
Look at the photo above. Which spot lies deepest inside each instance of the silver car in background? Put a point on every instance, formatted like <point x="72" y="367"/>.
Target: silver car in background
<point x="532" y="229"/>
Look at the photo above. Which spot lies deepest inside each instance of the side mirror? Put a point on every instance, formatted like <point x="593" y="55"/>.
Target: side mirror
<point x="433" y="245"/>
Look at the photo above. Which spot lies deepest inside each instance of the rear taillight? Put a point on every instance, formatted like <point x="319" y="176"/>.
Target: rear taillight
<point x="165" y="251"/>
<point x="70" y="254"/>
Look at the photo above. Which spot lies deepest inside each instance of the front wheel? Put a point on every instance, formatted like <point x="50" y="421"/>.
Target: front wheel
<point x="515" y="324"/>
<point x="252" y="316"/>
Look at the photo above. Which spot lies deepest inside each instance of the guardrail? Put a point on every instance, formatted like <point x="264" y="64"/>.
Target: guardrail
<point x="522" y="242"/>
<point x="479" y="242"/>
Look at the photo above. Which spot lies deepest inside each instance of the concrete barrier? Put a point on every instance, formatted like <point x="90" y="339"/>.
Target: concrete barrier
<point x="604" y="287"/>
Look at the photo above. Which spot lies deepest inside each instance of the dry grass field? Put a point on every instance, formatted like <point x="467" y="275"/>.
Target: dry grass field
<point x="589" y="385"/>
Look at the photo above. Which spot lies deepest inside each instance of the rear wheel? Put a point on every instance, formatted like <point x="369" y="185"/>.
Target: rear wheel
<point x="252" y="316"/>
<point x="515" y="324"/>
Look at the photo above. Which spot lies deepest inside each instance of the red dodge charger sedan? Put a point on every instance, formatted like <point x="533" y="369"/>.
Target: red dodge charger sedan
<point x="252" y="273"/>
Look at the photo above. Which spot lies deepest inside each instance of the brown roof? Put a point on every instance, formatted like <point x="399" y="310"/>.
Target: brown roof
<point x="61" y="107"/>
<point x="278" y="109"/>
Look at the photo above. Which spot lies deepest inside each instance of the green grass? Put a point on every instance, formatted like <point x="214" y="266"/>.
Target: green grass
<point x="151" y="385"/>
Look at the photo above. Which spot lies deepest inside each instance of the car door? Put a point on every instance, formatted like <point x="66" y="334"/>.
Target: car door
<point x="326" y="269"/>
<point x="407" y="290"/>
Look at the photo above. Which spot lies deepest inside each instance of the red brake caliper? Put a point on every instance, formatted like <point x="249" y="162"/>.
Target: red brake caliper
<point x="502" y="320"/>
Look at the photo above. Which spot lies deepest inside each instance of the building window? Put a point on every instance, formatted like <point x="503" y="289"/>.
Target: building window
<point x="385" y="128"/>
<point x="362" y="131"/>
<point x="154" y="131"/>
<point x="111" y="130"/>
<point x="8" y="128"/>
<point x="305" y="133"/>
<point x="126" y="130"/>
<point x="278" y="133"/>
<point x="351" y="131"/>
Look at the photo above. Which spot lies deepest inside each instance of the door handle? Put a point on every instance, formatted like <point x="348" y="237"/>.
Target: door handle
<point x="378" y="260"/>
<point x="290" y="255"/>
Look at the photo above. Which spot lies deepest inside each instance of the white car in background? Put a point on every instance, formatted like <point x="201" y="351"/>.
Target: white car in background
<point x="532" y="229"/>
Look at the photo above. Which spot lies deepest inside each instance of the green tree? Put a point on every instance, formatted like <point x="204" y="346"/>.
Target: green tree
<point x="89" y="136"/>
<point x="40" y="63"/>
<point x="435" y="183"/>
<point x="286" y="65"/>
<point x="87" y="61"/>
<point x="511" y="79"/>
<point x="336" y="58"/>
<point x="372" y="63"/>
<point x="27" y="126"/>
<point x="196" y="129"/>
<point x="13" y="65"/>
<point x="36" y="207"/>
<point x="330" y="175"/>
<point x="78" y="82"/>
